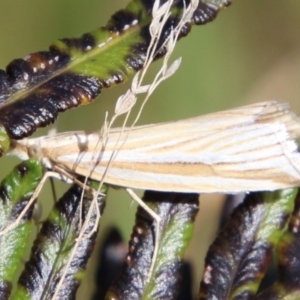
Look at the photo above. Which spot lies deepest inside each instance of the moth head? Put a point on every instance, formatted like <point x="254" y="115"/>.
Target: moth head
<point x="25" y="149"/>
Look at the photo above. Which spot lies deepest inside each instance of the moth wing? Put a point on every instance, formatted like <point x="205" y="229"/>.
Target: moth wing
<point x="243" y="149"/>
<point x="258" y="113"/>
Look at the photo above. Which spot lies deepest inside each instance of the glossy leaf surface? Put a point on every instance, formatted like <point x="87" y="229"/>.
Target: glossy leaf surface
<point x="177" y="212"/>
<point x="15" y="192"/>
<point x="55" y="256"/>
<point x="33" y="90"/>
<point x="239" y="257"/>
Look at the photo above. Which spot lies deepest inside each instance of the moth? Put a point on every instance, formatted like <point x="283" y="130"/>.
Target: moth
<point x="251" y="148"/>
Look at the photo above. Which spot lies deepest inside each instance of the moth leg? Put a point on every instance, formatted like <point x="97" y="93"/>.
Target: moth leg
<point x="157" y="220"/>
<point x="30" y="202"/>
<point x="67" y="177"/>
<point x="70" y="178"/>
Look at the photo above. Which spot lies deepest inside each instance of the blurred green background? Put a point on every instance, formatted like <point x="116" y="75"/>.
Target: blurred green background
<point x="250" y="53"/>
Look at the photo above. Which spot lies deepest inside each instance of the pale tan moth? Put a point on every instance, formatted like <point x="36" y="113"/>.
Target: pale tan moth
<point x="250" y="148"/>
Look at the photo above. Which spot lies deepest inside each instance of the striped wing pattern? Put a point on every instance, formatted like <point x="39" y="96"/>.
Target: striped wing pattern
<point x="244" y="149"/>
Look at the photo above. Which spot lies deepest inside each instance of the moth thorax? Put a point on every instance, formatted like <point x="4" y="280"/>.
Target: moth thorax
<point x="35" y="151"/>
